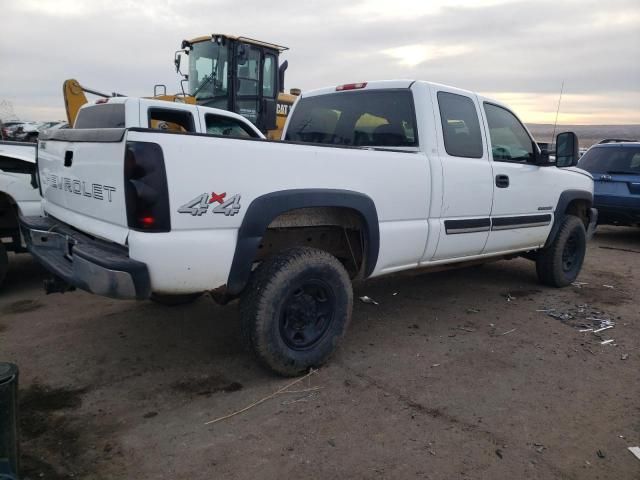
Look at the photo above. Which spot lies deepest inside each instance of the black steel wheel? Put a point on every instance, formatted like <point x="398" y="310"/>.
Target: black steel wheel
<point x="306" y="314"/>
<point x="295" y="309"/>
<point x="559" y="264"/>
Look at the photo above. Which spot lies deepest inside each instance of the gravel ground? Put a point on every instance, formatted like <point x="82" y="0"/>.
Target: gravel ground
<point x="453" y="375"/>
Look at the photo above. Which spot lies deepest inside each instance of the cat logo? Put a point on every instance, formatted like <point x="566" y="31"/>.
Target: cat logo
<point x="282" y="109"/>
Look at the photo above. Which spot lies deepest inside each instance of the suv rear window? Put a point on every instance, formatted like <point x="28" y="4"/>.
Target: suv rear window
<point x="611" y="160"/>
<point x="106" y="115"/>
<point x="374" y="118"/>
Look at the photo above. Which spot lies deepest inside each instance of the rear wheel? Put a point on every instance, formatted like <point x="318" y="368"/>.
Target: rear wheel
<point x="4" y="262"/>
<point x="295" y="309"/>
<point x="559" y="264"/>
<point x="174" y="300"/>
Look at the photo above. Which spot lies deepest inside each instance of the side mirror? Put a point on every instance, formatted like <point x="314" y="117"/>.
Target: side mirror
<point x="269" y="114"/>
<point x="541" y="156"/>
<point x="177" y="60"/>
<point x="567" y="149"/>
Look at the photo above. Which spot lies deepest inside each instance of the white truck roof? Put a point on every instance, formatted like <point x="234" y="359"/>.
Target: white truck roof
<point x="399" y="83"/>
<point x="194" y="109"/>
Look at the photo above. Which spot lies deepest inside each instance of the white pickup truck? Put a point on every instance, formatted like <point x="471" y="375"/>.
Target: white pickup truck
<point x="371" y="178"/>
<point x="18" y="196"/>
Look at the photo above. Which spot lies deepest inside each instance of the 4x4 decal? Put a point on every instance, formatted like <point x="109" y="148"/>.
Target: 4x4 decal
<point x="200" y="205"/>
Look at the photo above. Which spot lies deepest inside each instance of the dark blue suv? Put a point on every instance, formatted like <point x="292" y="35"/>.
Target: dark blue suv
<point x="615" y="167"/>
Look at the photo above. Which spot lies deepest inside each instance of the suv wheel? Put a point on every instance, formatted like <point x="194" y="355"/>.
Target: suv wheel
<point x="559" y="264"/>
<point x="295" y="309"/>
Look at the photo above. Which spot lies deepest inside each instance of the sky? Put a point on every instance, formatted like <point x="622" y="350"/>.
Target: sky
<point x="516" y="51"/>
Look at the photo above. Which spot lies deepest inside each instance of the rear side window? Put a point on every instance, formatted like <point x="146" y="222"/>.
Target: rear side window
<point x="228" y="127"/>
<point x="611" y="160"/>
<point x="374" y="118"/>
<point x="460" y="125"/>
<point x="171" y="120"/>
<point x="105" y="115"/>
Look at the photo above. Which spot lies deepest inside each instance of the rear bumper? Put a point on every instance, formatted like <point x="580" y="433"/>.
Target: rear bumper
<point x="93" y="265"/>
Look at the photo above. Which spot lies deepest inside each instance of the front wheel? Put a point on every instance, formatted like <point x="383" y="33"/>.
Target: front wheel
<point x="559" y="264"/>
<point x="296" y="309"/>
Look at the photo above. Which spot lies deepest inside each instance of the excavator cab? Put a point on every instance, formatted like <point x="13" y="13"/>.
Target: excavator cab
<point x="238" y="74"/>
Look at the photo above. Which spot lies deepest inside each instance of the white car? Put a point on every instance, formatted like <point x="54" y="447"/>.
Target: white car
<point x="18" y="196"/>
<point x="372" y="178"/>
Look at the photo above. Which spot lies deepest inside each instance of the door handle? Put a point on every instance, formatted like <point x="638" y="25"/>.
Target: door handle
<point x="68" y="158"/>
<point x="502" y="181"/>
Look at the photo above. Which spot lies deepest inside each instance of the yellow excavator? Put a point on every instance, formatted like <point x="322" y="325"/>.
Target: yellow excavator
<point x="239" y="74"/>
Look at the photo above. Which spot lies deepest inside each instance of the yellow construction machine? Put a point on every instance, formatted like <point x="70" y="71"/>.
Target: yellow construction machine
<point x="232" y="73"/>
<point x="239" y="74"/>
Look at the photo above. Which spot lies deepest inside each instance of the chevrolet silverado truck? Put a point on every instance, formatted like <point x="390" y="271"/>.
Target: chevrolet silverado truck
<point x="370" y="179"/>
<point x="18" y="196"/>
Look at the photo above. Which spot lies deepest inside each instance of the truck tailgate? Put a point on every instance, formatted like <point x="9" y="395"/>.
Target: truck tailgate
<point x="82" y="179"/>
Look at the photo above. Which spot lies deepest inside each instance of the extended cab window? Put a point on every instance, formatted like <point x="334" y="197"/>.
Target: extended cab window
<point x="510" y="142"/>
<point x="460" y="125"/>
<point x="228" y="127"/>
<point x="374" y="118"/>
<point x="105" y="115"/>
<point x="171" y="120"/>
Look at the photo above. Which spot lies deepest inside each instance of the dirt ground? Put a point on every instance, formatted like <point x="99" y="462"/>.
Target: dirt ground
<point x="454" y="375"/>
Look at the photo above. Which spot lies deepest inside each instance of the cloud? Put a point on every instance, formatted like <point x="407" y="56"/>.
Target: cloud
<point x="514" y="47"/>
<point x="412" y="55"/>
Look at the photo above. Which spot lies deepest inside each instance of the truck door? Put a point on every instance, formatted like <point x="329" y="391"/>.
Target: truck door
<point x="523" y="199"/>
<point x="466" y="175"/>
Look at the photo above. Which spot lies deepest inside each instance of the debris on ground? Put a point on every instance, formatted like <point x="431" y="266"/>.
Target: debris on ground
<point x="509" y="297"/>
<point x="508" y="332"/>
<point x="619" y="249"/>
<point x="608" y="286"/>
<point x="603" y="329"/>
<point x="635" y="451"/>
<point x="473" y="310"/>
<point x="624" y="356"/>
<point x="606" y="342"/>
<point x="579" y="284"/>
<point x="600" y="454"/>
<point x="366" y="299"/>
<point x="499" y="452"/>
<point x="539" y="447"/>
<point x="464" y="329"/>
<point x="280" y="391"/>
<point x="583" y="317"/>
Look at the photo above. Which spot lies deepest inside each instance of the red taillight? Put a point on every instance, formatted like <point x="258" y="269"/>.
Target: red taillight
<point x="351" y="86"/>
<point x="147" y="195"/>
<point x="147" y="221"/>
<point x="102" y="100"/>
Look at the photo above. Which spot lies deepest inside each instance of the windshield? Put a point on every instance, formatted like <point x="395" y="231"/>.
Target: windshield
<point x="376" y="118"/>
<point x="611" y="160"/>
<point x="208" y="64"/>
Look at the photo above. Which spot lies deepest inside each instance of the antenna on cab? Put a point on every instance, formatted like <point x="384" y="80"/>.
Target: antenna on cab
<point x="555" y="124"/>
